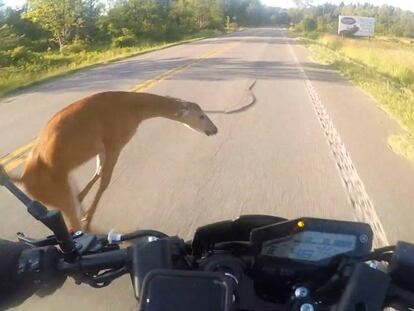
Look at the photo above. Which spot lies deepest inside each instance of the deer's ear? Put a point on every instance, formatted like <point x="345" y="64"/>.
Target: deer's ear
<point x="183" y="110"/>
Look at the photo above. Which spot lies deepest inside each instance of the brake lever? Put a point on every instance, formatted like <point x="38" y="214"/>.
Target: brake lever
<point x="48" y="241"/>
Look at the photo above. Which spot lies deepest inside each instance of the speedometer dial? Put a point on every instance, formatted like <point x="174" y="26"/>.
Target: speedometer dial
<point x="310" y="246"/>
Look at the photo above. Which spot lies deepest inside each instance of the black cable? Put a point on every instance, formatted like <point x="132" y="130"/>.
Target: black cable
<point x="105" y="278"/>
<point x="385" y="249"/>
<point x="380" y="254"/>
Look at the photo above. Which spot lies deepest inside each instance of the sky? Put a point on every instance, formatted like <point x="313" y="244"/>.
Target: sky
<point x="404" y="4"/>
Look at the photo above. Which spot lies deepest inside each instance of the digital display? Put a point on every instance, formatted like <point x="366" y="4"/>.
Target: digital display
<point x="310" y="246"/>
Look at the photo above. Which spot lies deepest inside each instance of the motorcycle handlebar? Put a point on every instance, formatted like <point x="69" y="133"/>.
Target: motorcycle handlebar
<point x="121" y="261"/>
<point x="109" y="260"/>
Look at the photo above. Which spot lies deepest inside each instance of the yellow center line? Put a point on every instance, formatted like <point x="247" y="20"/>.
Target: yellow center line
<point x="16" y="162"/>
<point x="170" y="73"/>
<point x="16" y="153"/>
<point x="17" y="157"/>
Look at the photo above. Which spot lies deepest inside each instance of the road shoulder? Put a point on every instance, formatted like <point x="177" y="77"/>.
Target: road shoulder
<point x="365" y="129"/>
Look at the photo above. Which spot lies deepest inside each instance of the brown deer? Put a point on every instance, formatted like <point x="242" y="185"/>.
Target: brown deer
<point x="99" y="125"/>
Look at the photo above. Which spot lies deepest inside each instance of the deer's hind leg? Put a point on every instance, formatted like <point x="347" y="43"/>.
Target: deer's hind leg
<point x="108" y="166"/>
<point x="100" y="159"/>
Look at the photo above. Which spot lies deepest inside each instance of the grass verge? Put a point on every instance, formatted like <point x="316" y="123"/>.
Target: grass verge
<point x="384" y="68"/>
<point x="50" y="65"/>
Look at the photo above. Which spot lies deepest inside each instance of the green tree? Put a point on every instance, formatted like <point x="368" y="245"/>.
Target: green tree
<point x="209" y="14"/>
<point x="62" y="18"/>
<point x="1" y="13"/>
<point x="255" y="13"/>
<point x="182" y="15"/>
<point x="8" y="38"/>
<point x="31" y="30"/>
<point x="237" y="10"/>
<point x="142" y="17"/>
<point x="309" y="24"/>
<point x="296" y="15"/>
<point x="90" y="13"/>
<point x="282" y="18"/>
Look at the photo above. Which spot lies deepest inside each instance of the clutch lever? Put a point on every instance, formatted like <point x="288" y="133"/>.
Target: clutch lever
<point x="52" y="219"/>
<point x="48" y="241"/>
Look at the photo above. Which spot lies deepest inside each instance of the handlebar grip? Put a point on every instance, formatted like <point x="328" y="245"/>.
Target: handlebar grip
<point x="366" y="289"/>
<point x="107" y="260"/>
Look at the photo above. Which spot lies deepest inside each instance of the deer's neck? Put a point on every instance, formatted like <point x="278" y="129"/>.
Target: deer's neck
<point x="161" y="107"/>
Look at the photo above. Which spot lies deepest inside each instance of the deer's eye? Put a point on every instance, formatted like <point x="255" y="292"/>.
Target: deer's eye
<point x="202" y="117"/>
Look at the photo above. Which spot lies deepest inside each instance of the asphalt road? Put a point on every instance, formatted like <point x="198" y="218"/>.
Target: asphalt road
<point x="274" y="158"/>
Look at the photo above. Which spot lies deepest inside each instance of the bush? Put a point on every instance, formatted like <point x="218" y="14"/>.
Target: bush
<point x="9" y="38"/>
<point x="39" y="45"/>
<point x="124" y="41"/>
<point x="127" y="39"/>
<point x="21" y="57"/>
<point x="172" y="31"/>
<point x="322" y="24"/>
<point x="5" y="59"/>
<point x="335" y="43"/>
<point x="309" y="24"/>
<point x="312" y="35"/>
<point x="20" y="53"/>
<point x="76" y="46"/>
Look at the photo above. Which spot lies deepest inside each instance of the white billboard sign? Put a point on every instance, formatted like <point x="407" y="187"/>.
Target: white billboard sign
<point x="356" y="26"/>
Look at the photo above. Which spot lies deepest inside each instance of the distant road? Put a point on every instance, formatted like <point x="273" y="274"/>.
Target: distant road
<point x="312" y="145"/>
